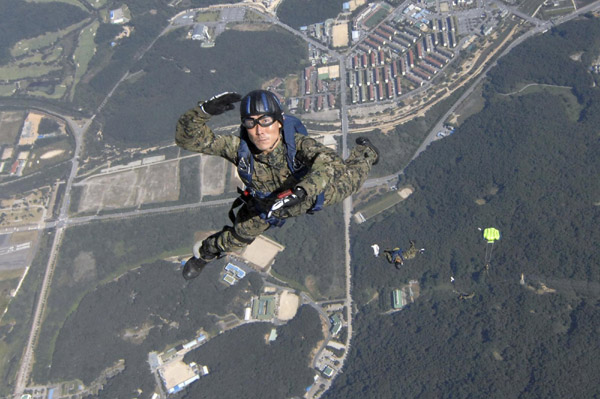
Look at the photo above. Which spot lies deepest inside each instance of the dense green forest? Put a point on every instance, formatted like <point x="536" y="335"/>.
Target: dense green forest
<point x="98" y="252"/>
<point x="109" y="64"/>
<point x="321" y="271"/>
<point x="297" y="13"/>
<point x="86" y="346"/>
<point x="527" y="166"/>
<point x="250" y="368"/>
<point x="154" y="298"/>
<point x="23" y="20"/>
<point x="176" y="73"/>
<point x="551" y="59"/>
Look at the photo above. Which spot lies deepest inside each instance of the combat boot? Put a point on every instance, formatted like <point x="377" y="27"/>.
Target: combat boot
<point x="367" y="143"/>
<point x="193" y="267"/>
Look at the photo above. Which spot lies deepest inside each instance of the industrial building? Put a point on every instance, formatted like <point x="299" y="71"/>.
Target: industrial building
<point x="263" y="307"/>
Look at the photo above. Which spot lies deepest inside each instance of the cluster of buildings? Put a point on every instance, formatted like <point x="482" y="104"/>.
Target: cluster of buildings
<point x="27" y="137"/>
<point x="120" y="15"/>
<point x="405" y="295"/>
<point x="391" y="55"/>
<point x="233" y="274"/>
<point x="174" y="373"/>
<point x="201" y="32"/>
<point x="319" y="87"/>
<point x="394" y="56"/>
<point x="331" y="32"/>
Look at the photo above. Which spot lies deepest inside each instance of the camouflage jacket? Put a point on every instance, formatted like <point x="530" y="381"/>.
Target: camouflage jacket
<point x="271" y="173"/>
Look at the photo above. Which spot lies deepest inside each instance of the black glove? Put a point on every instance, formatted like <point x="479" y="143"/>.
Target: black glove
<point x="288" y="199"/>
<point x="221" y="103"/>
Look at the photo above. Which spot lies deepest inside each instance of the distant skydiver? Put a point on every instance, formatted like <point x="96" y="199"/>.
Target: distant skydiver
<point x="397" y="256"/>
<point x="286" y="173"/>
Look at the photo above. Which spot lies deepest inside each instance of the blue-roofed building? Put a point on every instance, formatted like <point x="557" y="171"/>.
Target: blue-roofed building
<point x="183" y="384"/>
<point x="235" y="270"/>
<point x="120" y="15"/>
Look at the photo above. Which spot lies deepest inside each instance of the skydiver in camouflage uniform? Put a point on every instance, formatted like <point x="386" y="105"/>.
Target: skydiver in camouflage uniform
<point x="397" y="256"/>
<point x="328" y="179"/>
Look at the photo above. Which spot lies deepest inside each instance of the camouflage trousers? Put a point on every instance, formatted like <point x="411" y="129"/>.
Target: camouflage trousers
<point x="248" y="223"/>
<point x="397" y="255"/>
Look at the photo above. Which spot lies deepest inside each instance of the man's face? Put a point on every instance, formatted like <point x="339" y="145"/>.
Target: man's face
<point x="265" y="138"/>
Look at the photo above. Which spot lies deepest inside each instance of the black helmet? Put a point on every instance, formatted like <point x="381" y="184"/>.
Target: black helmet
<point x="260" y="102"/>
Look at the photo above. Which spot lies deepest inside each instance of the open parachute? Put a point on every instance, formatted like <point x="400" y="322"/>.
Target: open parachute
<point x="491" y="235"/>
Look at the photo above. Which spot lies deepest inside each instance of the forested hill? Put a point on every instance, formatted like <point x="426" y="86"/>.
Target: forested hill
<point x="528" y="165"/>
<point x="297" y="13"/>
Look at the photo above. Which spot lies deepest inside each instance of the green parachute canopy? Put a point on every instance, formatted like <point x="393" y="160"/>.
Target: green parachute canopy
<point x="491" y="234"/>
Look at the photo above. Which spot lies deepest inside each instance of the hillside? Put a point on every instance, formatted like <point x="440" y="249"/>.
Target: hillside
<point x="528" y="165"/>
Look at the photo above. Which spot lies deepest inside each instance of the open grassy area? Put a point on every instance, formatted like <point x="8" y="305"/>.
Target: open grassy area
<point x="554" y="12"/>
<point x="472" y="105"/>
<point x="10" y="126"/>
<point x="376" y="18"/>
<point x="529" y="6"/>
<point x="252" y="15"/>
<point x="380" y="204"/>
<point x="44" y="155"/>
<point x="58" y="93"/>
<point x="569" y="101"/>
<point x="46" y="57"/>
<point x="9" y="279"/>
<point x="211" y="16"/>
<point x="84" y="53"/>
<point x="7" y="90"/>
<point x="27" y="45"/>
<point x="16" y="72"/>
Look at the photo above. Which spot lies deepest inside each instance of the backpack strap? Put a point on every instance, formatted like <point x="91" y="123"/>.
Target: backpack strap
<point x="291" y="126"/>
<point x="245" y="168"/>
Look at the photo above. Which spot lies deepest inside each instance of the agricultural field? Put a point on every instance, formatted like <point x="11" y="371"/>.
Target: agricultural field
<point x="130" y="188"/>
